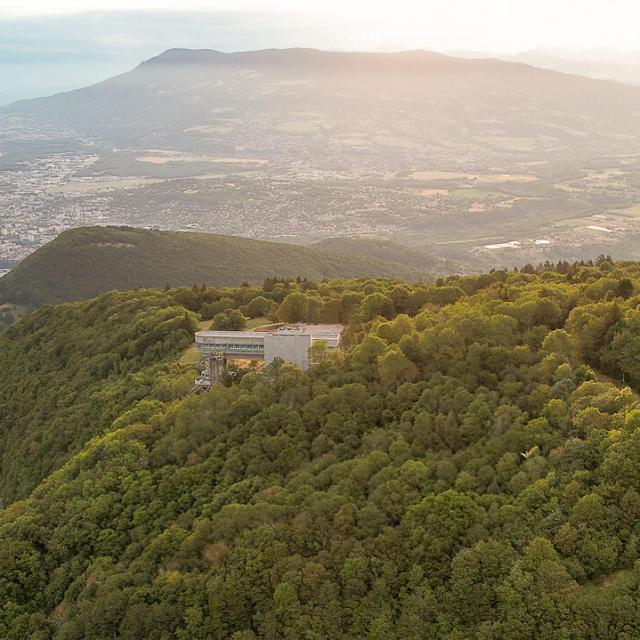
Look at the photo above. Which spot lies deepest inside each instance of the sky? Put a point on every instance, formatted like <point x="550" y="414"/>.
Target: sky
<point x="53" y="45"/>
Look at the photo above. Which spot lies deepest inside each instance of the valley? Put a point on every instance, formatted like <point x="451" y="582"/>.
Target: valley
<point x="509" y="177"/>
<point x="327" y="343"/>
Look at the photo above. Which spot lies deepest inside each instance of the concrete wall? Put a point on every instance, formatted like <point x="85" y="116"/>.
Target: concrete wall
<point x="290" y="347"/>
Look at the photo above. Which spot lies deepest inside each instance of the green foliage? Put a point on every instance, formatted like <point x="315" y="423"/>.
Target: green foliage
<point x="69" y="371"/>
<point x="376" y="304"/>
<point x="259" y="307"/>
<point x="229" y="320"/>
<point x="85" y="262"/>
<point x="458" y="472"/>
<point x="294" y="308"/>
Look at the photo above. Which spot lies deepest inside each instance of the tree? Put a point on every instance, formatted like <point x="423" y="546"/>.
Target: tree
<point x="476" y="574"/>
<point x="259" y="307"/>
<point x="376" y="304"/>
<point x="318" y="351"/>
<point x="394" y="367"/>
<point x="625" y="288"/>
<point x="394" y="330"/>
<point x="293" y="308"/>
<point x="623" y="351"/>
<point x="367" y="352"/>
<point x="230" y="320"/>
<point x="535" y="599"/>
<point x="211" y="309"/>
<point x="589" y="325"/>
<point x="439" y="526"/>
<point x="559" y="342"/>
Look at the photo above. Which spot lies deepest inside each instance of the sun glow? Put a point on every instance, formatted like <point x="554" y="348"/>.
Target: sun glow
<point x="495" y="25"/>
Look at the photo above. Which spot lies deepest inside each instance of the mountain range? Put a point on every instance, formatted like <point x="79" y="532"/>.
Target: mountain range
<point x="463" y="465"/>
<point x="481" y="161"/>
<point x="184" y="88"/>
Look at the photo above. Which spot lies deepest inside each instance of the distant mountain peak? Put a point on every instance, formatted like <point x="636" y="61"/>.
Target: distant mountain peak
<point x="186" y="56"/>
<point x="297" y="55"/>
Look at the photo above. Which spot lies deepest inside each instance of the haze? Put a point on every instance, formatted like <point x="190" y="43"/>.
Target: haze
<point x="304" y="138"/>
<point x="52" y="46"/>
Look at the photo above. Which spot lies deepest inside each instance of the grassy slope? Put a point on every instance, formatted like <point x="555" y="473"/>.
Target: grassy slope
<point x="83" y="263"/>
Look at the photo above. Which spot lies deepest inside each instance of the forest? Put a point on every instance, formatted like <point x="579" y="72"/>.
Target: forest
<point x="465" y="467"/>
<point x="87" y="261"/>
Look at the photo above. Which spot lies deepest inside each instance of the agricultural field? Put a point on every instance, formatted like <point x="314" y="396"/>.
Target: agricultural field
<point x="292" y="155"/>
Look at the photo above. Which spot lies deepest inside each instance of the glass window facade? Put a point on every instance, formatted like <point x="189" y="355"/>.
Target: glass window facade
<point x="232" y="346"/>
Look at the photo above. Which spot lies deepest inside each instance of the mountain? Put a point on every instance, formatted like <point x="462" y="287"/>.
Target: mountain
<point x="181" y="88"/>
<point x="599" y="64"/>
<point x="465" y="466"/>
<point x="484" y="162"/>
<point x="84" y="262"/>
<point x="620" y="66"/>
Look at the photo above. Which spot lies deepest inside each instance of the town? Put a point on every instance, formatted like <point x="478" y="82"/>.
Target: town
<point x="483" y="212"/>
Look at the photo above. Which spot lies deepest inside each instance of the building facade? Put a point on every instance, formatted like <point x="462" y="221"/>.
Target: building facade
<point x="290" y="343"/>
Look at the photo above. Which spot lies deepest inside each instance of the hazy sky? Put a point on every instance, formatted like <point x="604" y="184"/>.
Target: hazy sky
<point x="50" y="45"/>
<point x="497" y="25"/>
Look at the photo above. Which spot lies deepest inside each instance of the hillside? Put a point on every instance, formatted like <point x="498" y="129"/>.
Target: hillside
<point x="462" y="469"/>
<point x="70" y="371"/>
<point x="85" y="262"/>
<point x="621" y="66"/>
<point x="389" y="252"/>
<point x="133" y="104"/>
<point x="448" y="156"/>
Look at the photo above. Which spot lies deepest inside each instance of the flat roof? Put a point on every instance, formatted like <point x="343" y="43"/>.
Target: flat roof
<point x="321" y="328"/>
<point x="231" y="334"/>
<point x="304" y="329"/>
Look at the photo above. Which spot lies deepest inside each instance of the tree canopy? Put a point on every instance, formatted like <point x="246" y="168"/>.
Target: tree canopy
<point x="465" y="467"/>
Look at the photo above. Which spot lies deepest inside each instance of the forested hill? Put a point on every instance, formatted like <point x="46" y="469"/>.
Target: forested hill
<point x="85" y="262"/>
<point x="389" y="252"/>
<point x="466" y="468"/>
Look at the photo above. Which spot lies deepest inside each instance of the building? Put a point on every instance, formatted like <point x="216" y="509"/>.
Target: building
<point x="290" y="343"/>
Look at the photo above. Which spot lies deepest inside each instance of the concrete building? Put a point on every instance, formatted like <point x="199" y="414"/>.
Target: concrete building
<point x="290" y="343"/>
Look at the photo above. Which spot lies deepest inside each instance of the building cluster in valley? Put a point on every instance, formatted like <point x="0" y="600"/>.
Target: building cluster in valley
<point x="473" y="211"/>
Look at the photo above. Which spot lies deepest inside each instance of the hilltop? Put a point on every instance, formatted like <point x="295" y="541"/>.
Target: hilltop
<point x="84" y="262"/>
<point x="203" y="98"/>
<point x="465" y="467"/>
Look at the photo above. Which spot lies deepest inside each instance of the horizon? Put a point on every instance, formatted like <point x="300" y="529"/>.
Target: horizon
<point x="51" y="47"/>
<point x="87" y="74"/>
<point x="442" y="197"/>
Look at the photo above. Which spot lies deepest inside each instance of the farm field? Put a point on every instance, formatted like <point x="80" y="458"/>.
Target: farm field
<point x="283" y="149"/>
